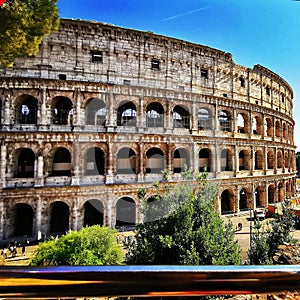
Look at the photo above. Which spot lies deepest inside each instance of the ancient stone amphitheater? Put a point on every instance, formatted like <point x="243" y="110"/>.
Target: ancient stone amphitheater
<point x="101" y="110"/>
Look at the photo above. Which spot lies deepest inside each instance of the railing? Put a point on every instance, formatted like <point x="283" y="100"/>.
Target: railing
<point x="149" y="281"/>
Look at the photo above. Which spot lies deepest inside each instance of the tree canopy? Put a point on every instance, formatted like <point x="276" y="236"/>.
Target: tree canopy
<point x="23" y="24"/>
<point x="93" y="245"/>
<point x="182" y="227"/>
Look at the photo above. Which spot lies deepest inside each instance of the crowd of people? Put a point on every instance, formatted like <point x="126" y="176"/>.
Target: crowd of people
<point x="12" y="248"/>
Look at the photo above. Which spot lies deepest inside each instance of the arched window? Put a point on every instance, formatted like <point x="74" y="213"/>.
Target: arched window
<point x="155" y="161"/>
<point x="23" y="219"/>
<point x="94" y="162"/>
<point x="227" y="199"/>
<point x="61" y="163"/>
<point x="25" y="166"/>
<point x="96" y="112"/>
<point x="181" y="118"/>
<point x="269" y="127"/>
<point x="155" y="115"/>
<point x="277" y="129"/>
<point x="126" y="161"/>
<point x="27" y="110"/>
<point x="258" y="160"/>
<point x="127" y="115"/>
<point x="59" y="217"/>
<point x="205" y="160"/>
<point x="256" y="125"/>
<point x="244" y="160"/>
<point x="242" y="123"/>
<point x="270" y="159"/>
<point x="204" y="119"/>
<point x="180" y="160"/>
<point x="125" y="212"/>
<point x="93" y="213"/>
<point x="226" y="160"/>
<point x="62" y="111"/>
<point x="224" y="121"/>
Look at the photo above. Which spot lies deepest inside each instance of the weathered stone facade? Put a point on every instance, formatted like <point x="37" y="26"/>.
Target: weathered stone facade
<point x="100" y="111"/>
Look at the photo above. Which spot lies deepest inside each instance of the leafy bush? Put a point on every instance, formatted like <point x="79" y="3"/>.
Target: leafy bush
<point x="93" y="245"/>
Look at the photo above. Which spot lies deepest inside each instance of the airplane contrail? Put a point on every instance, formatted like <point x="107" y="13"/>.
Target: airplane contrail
<point x="186" y="13"/>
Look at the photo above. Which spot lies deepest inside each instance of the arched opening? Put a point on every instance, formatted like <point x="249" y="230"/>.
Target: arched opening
<point x="256" y="125"/>
<point x="204" y="119"/>
<point x="62" y="111"/>
<point x="281" y="192"/>
<point x="25" y="167"/>
<point x="226" y="160"/>
<point x="155" y="209"/>
<point x="126" y="161"/>
<point x="258" y="197"/>
<point x="94" y="162"/>
<point x="154" y="161"/>
<point x="277" y="129"/>
<point x="258" y="160"/>
<point x="286" y="160"/>
<point x="96" y="112"/>
<point x="93" y="213"/>
<point x="224" y="121"/>
<point x="126" y="114"/>
<point x="242" y="123"/>
<point x="279" y="159"/>
<point x="205" y="160"/>
<point x="271" y="194"/>
<point x="180" y="160"/>
<point x="155" y="115"/>
<point x="244" y="160"/>
<point x="284" y="129"/>
<point x="23" y="219"/>
<point x="61" y="163"/>
<point x="270" y="159"/>
<point x="243" y="205"/>
<point x="227" y="199"/>
<point x="126" y="212"/>
<point x="59" y="217"/>
<point x="269" y="127"/>
<point x="27" y="110"/>
<point x="181" y="118"/>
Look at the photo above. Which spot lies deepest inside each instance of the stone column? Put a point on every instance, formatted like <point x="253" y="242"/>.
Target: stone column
<point x="38" y="217"/>
<point x="6" y="112"/>
<point x="3" y="165"/>
<point x="141" y="163"/>
<point x="111" y="120"/>
<point x="110" y="173"/>
<point x="141" y="117"/>
<point x="39" y="168"/>
<point x="2" y="212"/>
<point x="43" y="113"/>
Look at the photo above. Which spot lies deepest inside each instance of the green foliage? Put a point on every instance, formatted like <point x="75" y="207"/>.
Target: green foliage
<point x="23" y="24"/>
<point x="93" y="245"/>
<point x="265" y="242"/>
<point x="182" y="227"/>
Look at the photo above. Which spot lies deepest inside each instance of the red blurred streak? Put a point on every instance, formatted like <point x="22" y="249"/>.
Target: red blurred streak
<point x="1" y="2"/>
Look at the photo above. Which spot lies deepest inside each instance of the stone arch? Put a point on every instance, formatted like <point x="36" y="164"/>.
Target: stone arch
<point x="93" y="213"/>
<point x="205" y="120"/>
<point x="94" y="162"/>
<point x="281" y="192"/>
<point x="227" y="202"/>
<point x="62" y="164"/>
<point x="270" y="159"/>
<point x="257" y="125"/>
<point x="205" y="160"/>
<point x="155" y="209"/>
<point x="277" y="129"/>
<point x="284" y="130"/>
<point x="286" y="159"/>
<point x="62" y="111"/>
<point x="125" y="212"/>
<point x="279" y="159"/>
<point x="22" y="219"/>
<point x="269" y="127"/>
<point x="59" y="217"/>
<point x="180" y="160"/>
<point x="154" y="115"/>
<point x="126" y="161"/>
<point x="26" y="109"/>
<point x="226" y="160"/>
<point x="244" y="160"/>
<point x="258" y="160"/>
<point x="225" y="121"/>
<point x="126" y="115"/>
<point x="181" y="117"/>
<point x="25" y="163"/>
<point x="259" y="194"/>
<point x="243" y="199"/>
<point x="95" y="112"/>
<point x="155" y="161"/>
<point x="271" y="193"/>
<point x="242" y="123"/>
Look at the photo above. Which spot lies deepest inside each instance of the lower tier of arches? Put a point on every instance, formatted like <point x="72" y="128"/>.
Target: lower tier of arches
<point x="48" y="211"/>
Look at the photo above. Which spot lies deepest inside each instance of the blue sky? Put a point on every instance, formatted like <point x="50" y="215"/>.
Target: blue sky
<point x="265" y="32"/>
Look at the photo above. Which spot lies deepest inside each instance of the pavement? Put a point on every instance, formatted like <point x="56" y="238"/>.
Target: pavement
<point x="243" y="235"/>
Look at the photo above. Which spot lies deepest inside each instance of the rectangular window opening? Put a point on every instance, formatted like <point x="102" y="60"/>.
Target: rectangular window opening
<point x="204" y="73"/>
<point x="155" y="64"/>
<point x="97" y="56"/>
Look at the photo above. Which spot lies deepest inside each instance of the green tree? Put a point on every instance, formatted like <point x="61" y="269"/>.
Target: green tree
<point x="23" y="24"/>
<point x="93" y="245"/>
<point x="182" y="227"/>
<point x="265" y="242"/>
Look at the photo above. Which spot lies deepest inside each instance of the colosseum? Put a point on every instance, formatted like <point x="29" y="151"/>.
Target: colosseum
<point x="101" y="111"/>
